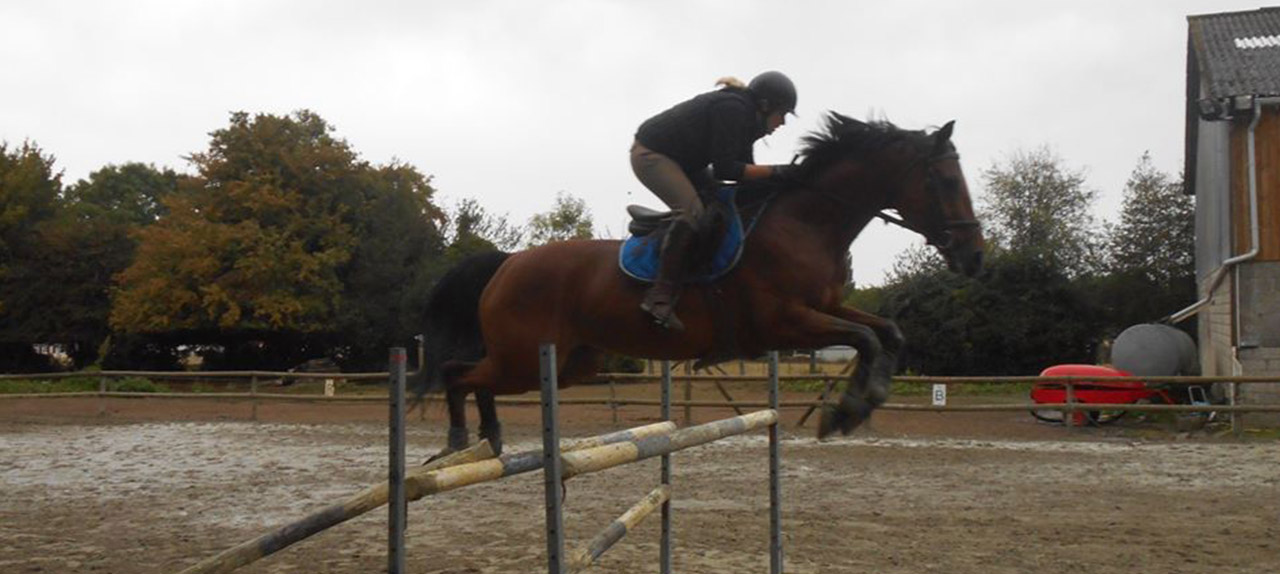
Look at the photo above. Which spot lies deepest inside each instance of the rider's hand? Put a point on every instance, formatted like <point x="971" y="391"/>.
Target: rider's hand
<point x="784" y="171"/>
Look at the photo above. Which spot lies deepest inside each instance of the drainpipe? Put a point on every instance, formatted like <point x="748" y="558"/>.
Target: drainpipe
<point x="1229" y="264"/>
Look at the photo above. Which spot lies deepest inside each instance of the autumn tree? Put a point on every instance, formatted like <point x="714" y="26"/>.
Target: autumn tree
<point x="282" y="238"/>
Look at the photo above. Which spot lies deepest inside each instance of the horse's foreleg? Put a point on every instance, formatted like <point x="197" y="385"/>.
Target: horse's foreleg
<point x="490" y="429"/>
<point x="818" y="329"/>
<point x="884" y="365"/>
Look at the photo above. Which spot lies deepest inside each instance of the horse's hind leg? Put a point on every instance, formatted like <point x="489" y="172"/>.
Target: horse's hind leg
<point x="457" y="399"/>
<point x="490" y="428"/>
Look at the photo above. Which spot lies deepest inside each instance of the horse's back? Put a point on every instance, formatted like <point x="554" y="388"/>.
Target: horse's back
<point x="573" y="294"/>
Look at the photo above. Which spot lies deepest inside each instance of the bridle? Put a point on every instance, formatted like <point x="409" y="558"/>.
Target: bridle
<point x="943" y="238"/>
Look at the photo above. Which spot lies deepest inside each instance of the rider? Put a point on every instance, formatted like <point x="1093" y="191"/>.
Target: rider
<point x="672" y="152"/>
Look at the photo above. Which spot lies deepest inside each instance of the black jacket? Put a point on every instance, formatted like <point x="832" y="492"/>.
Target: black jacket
<point x="717" y="128"/>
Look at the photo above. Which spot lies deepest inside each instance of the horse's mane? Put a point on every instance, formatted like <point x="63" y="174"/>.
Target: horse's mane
<point x="843" y="137"/>
<point x="840" y="137"/>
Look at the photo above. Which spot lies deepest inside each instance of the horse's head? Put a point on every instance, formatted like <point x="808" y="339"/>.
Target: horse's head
<point x="869" y="167"/>
<point x="933" y="200"/>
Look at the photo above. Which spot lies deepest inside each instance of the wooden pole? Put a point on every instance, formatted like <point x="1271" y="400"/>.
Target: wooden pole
<point x="253" y="391"/>
<point x="102" y="394"/>
<point x="613" y="398"/>
<point x="361" y="503"/>
<point x="1237" y="425"/>
<point x="587" y="555"/>
<point x="725" y="393"/>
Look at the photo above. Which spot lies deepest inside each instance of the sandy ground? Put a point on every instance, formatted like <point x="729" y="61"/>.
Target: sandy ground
<point x="154" y="485"/>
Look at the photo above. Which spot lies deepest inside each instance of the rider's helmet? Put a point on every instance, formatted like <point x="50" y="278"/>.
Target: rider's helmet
<point x="776" y="90"/>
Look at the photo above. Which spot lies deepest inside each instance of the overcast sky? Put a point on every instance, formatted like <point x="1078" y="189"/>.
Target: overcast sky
<point x="512" y="102"/>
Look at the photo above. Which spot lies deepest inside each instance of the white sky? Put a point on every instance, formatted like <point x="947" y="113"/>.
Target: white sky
<point x="512" y="102"/>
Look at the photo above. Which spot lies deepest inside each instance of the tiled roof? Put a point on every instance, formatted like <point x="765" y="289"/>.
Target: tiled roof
<point x="1238" y="52"/>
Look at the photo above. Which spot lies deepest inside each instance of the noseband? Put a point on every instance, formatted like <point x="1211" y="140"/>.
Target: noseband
<point x="943" y="238"/>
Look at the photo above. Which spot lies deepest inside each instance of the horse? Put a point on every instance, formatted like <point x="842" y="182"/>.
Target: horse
<point x="488" y="315"/>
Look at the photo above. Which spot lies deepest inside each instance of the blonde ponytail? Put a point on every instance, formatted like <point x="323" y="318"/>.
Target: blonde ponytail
<point x="731" y="82"/>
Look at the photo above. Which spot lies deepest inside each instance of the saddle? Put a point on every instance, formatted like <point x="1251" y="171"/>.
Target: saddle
<point x="720" y="237"/>
<point x="645" y="220"/>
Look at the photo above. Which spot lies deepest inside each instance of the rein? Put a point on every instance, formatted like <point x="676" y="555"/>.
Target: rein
<point x="930" y="187"/>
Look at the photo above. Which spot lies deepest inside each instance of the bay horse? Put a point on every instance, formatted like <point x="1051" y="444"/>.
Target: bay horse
<point x="488" y="315"/>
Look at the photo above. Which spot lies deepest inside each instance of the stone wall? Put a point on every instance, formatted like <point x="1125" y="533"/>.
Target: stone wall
<point x="1259" y="362"/>
<point x="1215" y="332"/>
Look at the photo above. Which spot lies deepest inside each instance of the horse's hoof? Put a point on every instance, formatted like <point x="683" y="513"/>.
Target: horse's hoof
<point x="446" y="451"/>
<point x="846" y="417"/>
<point x="830" y="420"/>
<point x="495" y="443"/>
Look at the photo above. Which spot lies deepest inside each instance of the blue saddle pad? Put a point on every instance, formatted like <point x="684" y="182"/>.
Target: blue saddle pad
<point x="639" y="255"/>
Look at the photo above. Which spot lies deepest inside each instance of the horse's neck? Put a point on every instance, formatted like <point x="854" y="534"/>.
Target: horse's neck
<point x="836" y="205"/>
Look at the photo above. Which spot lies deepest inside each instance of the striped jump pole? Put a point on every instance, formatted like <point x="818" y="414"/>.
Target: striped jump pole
<point x="282" y="537"/>
<point x="617" y="454"/>
<point x="561" y="466"/>
<point x="587" y="555"/>
<point x="463" y="468"/>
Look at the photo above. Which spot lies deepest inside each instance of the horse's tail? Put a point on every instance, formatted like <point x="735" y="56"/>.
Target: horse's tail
<point x="452" y="338"/>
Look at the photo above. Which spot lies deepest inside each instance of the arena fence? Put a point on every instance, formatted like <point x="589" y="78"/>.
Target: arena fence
<point x="257" y="380"/>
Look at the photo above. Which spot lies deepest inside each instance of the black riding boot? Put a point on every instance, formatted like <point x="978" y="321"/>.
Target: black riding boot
<point x="660" y="301"/>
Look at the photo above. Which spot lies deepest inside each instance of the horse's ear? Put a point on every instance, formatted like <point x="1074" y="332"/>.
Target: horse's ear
<point x="942" y="136"/>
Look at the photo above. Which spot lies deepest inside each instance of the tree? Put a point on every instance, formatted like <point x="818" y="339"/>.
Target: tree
<point x="1151" y="259"/>
<point x="1156" y="234"/>
<point x="284" y="245"/>
<point x="397" y="255"/>
<point x="471" y="229"/>
<point x="255" y="240"/>
<point x="915" y="261"/>
<point x="568" y="219"/>
<point x="30" y="196"/>
<point x="1018" y="317"/>
<point x="130" y="193"/>
<point x="93" y="241"/>
<point x="1037" y="207"/>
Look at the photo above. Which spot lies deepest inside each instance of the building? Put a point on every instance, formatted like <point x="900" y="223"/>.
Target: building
<point x="1233" y="170"/>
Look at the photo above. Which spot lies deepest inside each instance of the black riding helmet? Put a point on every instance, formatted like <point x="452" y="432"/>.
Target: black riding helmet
<point x="776" y="89"/>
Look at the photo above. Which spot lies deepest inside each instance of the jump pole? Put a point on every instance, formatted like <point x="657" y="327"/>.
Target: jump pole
<point x="463" y="468"/>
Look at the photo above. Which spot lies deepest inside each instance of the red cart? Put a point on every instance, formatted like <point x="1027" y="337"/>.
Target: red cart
<point x="1096" y="391"/>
